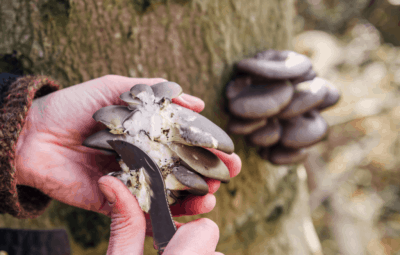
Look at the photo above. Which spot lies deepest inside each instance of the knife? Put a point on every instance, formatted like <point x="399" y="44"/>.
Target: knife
<point x="160" y="215"/>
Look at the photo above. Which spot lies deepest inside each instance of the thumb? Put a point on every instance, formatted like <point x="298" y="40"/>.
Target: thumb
<point x="196" y="237"/>
<point x="128" y="224"/>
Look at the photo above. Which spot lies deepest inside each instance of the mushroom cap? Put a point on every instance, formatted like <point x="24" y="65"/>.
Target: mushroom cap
<point x="99" y="140"/>
<point x="167" y="89"/>
<point x="112" y="116"/>
<point x="280" y="155"/>
<point x="190" y="180"/>
<point x="307" y="95"/>
<point x="276" y="64"/>
<point x="245" y="127"/>
<point x="304" y="130"/>
<point x="257" y="102"/>
<point x="272" y="55"/>
<point x="127" y="98"/>
<point x="236" y="86"/>
<point x="310" y="75"/>
<point x="202" y="161"/>
<point x="331" y="98"/>
<point x="197" y="130"/>
<point x="267" y="135"/>
<point x="139" y="88"/>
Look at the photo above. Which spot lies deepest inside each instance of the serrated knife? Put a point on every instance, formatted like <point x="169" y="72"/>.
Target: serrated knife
<point x="161" y="219"/>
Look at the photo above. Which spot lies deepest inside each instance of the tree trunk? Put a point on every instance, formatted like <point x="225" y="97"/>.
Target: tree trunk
<point x="195" y="43"/>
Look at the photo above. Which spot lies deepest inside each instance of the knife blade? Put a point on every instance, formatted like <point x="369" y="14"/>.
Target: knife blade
<point x="160" y="215"/>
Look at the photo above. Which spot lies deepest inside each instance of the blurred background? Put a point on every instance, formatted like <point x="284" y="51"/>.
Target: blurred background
<point x="353" y="175"/>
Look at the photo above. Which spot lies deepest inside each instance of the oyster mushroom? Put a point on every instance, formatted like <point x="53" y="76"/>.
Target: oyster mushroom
<point x="256" y="102"/>
<point x="99" y="140"/>
<point x="331" y="98"/>
<point x="236" y="86"/>
<point x="118" y="115"/>
<point x="267" y="135"/>
<point x="202" y="161"/>
<point x="183" y="179"/>
<point x="166" y="89"/>
<point x="304" y="130"/>
<point x="254" y="96"/>
<point x="310" y="75"/>
<point x="307" y="95"/>
<point x="280" y="155"/>
<point x="170" y="135"/>
<point x="273" y="64"/>
<point x="245" y="127"/>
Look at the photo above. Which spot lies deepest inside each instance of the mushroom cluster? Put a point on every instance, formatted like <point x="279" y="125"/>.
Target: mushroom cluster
<point x="173" y="136"/>
<point x="275" y="99"/>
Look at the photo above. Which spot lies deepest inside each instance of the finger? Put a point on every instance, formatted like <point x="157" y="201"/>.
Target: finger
<point x="213" y="185"/>
<point x="194" y="205"/>
<point x="128" y="224"/>
<point x="190" y="102"/>
<point x="196" y="237"/>
<point x="231" y="161"/>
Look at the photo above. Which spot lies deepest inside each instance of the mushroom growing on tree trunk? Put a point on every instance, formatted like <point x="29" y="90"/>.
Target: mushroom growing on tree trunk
<point x="275" y="100"/>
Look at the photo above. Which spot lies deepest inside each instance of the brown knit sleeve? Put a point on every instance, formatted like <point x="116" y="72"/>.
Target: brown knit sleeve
<point x="18" y="200"/>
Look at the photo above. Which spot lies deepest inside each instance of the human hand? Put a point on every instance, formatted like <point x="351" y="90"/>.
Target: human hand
<point x="128" y="226"/>
<point x="51" y="158"/>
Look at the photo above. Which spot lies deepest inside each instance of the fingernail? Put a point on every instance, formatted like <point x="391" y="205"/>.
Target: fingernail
<point x="109" y="194"/>
<point x="181" y="98"/>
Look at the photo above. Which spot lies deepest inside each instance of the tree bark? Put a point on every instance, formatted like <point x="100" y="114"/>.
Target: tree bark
<point x="196" y="43"/>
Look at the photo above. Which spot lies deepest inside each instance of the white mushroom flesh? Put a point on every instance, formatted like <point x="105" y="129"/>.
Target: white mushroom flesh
<point x="151" y="128"/>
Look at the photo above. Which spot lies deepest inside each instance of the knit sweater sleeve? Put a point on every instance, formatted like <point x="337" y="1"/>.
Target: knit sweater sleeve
<point x="16" y="96"/>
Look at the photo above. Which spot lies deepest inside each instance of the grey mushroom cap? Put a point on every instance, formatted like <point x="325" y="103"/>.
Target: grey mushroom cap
<point x="139" y="88"/>
<point x="284" y="65"/>
<point x="304" y="130"/>
<point x="196" y="184"/>
<point x="280" y="155"/>
<point x="167" y="89"/>
<point x="310" y="75"/>
<point x="257" y="102"/>
<point x="127" y="98"/>
<point x="202" y="161"/>
<point x="99" y="140"/>
<point x="307" y="95"/>
<point x="245" y="127"/>
<point x="112" y="116"/>
<point x="197" y="130"/>
<point x="332" y="97"/>
<point x="236" y="86"/>
<point x="267" y="135"/>
<point x="272" y="55"/>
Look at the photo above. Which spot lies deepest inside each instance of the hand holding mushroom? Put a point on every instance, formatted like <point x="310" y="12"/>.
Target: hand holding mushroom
<point x="173" y="136"/>
<point x="50" y="155"/>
